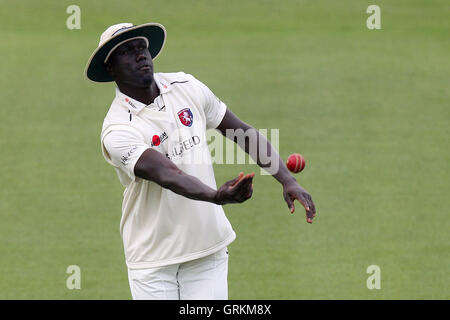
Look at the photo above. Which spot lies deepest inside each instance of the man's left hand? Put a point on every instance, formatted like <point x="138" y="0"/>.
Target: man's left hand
<point x="292" y="191"/>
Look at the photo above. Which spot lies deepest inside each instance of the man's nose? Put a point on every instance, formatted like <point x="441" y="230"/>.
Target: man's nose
<point x="140" y="56"/>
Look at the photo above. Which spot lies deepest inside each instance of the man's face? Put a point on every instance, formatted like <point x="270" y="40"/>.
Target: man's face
<point x="131" y="63"/>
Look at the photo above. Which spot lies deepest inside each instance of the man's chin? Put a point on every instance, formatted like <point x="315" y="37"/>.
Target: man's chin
<point x="145" y="80"/>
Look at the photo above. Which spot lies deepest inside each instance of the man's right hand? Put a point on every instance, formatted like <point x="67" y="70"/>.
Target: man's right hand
<point x="235" y="191"/>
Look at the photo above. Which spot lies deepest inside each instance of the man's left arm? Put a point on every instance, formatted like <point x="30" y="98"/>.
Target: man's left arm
<point x="291" y="189"/>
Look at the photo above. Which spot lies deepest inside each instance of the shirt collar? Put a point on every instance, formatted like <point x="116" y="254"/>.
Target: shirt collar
<point x="163" y="86"/>
<point x="136" y="106"/>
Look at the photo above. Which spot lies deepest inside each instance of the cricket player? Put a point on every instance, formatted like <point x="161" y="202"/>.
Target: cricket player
<point x="174" y="230"/>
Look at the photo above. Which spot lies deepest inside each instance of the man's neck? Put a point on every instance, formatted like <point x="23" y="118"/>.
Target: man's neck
<point x="145" y="95"/>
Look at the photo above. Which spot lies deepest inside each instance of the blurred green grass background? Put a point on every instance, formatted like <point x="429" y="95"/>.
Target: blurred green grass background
<point x="368" y="109"/>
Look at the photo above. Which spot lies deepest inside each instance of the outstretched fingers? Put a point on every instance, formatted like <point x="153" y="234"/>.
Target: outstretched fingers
<point x="243" y="188"/>
<point x="289" y="202"/>
<point x="241" y="181"/>
<point x="235" y="181"/>
<point x="306" y="201"/>
<point x="308" y="204"/>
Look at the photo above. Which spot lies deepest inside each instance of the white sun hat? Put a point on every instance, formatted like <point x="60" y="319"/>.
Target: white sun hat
<point x="153" y="33"/>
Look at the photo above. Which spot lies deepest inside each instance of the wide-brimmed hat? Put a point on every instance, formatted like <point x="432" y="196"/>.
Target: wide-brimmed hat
<point x="153" y="33"/>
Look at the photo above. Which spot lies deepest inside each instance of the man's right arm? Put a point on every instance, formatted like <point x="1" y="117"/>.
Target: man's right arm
<point x="126" y="149"/>
<point x="154" y="166"/>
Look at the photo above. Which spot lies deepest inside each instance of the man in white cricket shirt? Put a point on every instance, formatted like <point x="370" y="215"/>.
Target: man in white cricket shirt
<point x="174" y="230"/>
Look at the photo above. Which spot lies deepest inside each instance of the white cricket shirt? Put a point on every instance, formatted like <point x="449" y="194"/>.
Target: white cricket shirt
<point x="159" y="227"/>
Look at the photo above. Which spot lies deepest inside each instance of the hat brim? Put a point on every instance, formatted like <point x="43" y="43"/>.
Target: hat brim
<point x="155" y="33"/>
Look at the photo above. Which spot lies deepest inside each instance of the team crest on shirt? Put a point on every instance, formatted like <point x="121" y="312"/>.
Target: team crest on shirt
<point x="186" y="117"/>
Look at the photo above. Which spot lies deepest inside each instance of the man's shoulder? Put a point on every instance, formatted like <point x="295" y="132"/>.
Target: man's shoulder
<point x="116" y="114"/>
<point x="175" y="77"/>
<point x="115" y="107"/>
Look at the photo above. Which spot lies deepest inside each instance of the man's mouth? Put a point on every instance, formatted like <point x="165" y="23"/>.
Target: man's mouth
<point x="144" y="67"/>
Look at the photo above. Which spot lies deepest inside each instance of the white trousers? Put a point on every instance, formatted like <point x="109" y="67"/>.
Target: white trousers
<point x="200" y="279"/>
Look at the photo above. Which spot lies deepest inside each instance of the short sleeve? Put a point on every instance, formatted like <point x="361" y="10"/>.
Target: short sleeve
<point x="124" y="147"/>
<point x="214" y="108"/>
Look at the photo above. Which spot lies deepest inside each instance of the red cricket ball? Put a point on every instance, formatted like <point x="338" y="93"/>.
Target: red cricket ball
<point x="295" y="163"/>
